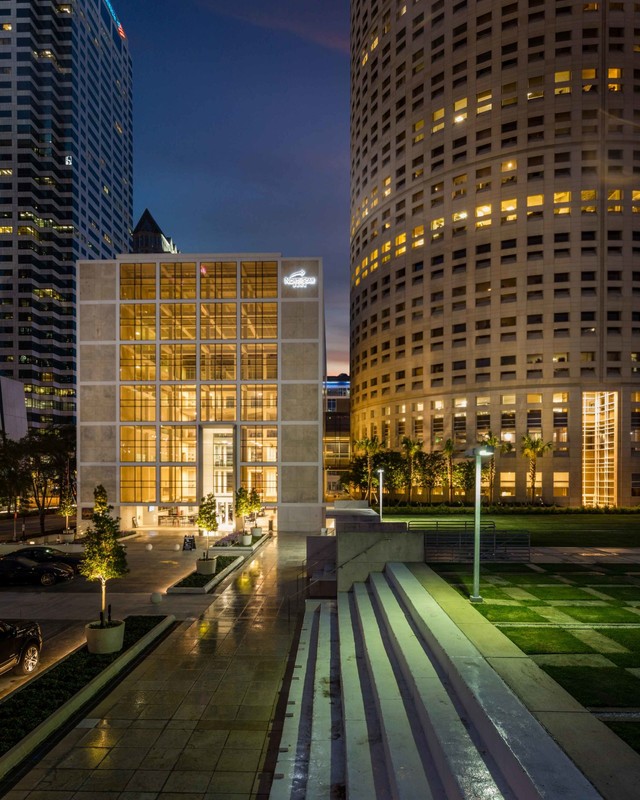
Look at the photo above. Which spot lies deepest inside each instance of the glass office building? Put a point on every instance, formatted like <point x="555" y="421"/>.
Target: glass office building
<point x="495" y="235"/>
<point x="65" y="181"/>
<point x="201" y="374"/>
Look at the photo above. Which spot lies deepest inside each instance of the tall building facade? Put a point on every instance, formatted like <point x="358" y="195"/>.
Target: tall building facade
<point x="200" y="374"/>
<point x="65" y="181"/>
<point x="495" y="234"/>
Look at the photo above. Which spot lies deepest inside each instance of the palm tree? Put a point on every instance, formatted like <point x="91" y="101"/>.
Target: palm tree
<point x="499" y="446"/>
<point x="410" y="449"/>
<point x="448" y="451"/>
<point x="369" y="448"/>
<point x="533" y="449"/>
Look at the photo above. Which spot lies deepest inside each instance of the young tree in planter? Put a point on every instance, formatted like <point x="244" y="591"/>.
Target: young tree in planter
<point x="255" y="501"/>
<point x="104" y="556"/>
<point x="66" y="508"/>
<point x="242" y="506"/>
<point x="207" y="518"/>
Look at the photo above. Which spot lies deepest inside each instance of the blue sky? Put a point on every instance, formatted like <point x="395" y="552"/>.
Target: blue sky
<point x="241" y="130"/>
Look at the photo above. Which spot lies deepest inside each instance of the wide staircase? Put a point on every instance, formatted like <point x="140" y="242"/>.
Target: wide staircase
<point x="389" y="699"/>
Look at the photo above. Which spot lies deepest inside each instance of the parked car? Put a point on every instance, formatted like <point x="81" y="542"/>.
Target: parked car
<point x="16" y="569"/>
<point x="20" y="645"/>
<point x="47" y="555"/>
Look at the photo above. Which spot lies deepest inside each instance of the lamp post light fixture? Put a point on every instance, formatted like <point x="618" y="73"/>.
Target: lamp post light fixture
<point x="380" y="477"/>
<point x="479" y="453"/>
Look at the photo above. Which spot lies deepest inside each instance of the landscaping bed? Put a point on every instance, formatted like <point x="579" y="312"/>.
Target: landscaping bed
<point x="195" y="583"/>
<point x="580" y="624"/>
<point x="52" y="697"/>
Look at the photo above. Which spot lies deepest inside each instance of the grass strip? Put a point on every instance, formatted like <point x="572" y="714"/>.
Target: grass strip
<point x="538" y="641"/>
<point x="601" y="614"/>
<point x="598" y="687"/>
<point x="629" y="732"/>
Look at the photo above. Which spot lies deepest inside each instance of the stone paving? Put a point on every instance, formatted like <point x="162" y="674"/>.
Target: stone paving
<point x="193" y="720"/>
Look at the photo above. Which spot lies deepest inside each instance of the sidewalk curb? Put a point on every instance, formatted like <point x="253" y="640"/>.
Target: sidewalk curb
<point x="215" y="580"/>
<point x="24" y="748"/>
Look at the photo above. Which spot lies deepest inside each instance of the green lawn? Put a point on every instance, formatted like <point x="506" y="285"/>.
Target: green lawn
<point x="548" y="529"/>
<point x="612" y="686"/>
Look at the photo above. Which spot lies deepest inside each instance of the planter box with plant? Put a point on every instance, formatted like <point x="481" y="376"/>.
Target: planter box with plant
<point x="104" y="558"/>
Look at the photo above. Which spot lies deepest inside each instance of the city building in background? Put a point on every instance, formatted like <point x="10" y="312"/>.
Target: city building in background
<point x="65" y="182"/>
<point x="13" y="410"/>
<point x="495" y="236"/>
<point x="200" y="374"/>
<point x="149" y="238"/>
<point x="337" y="434"/>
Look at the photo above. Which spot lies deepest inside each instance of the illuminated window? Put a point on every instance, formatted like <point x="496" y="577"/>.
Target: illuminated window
<point x="508" y="210"/>
<point x="483" y="102"/>
<point x="178" y="281"/>
<point x="259" y="279"/>
<point x="218" y="362"/>
<point x="259" y="362"/>
<point x="178" y="485"/>
<point x="138" y="485"/>
<point x="138" y="443"/>
<point x="138" y="321"/>
<point x="178" y="443"/>
<point x="177" y="403"/>
<point x="178" y="362"/>
<point x="217" y="403"/>
<point x="218" y="280"/>
<point x="218" y="320"/>
<point x="460" y="110"/>
<point x="137" y="281"/>
<point x="259" y="443"/>
<point x="437" y="119"/>
<point x="177" y="321"/>
<point x="137" y="362"/>
<point x="259" y="402"/>
<point x="259" y="321"/>
<point x="138" y="403"/>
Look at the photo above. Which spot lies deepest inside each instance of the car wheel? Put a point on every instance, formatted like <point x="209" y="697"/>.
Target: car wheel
<point x="47" y="579"/>
<point x="29" y="659"/>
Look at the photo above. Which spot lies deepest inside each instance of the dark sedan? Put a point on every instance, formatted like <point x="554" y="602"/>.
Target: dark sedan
<point x="47" y="555"/>
<point x="16" y="569"/>
<point x="20" y="644"/>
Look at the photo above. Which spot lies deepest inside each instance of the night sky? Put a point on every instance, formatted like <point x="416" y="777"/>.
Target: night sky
<point x="241" y="131"/>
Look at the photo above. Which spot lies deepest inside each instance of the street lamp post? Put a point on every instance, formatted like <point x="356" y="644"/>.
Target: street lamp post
<point x="478" y="453"/>
<point x="380" y="476"/>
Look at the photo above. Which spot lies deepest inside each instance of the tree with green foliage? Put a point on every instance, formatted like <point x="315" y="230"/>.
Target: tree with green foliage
<point x="533" y="448"/>
<point x="410" y="450"/>
<point x="464" y="476"/>
<point x="369" y="447"/>
<point x="105" y="557"/>
<point x="499" y="446"/>
<point x="448" y="451"/>
<point x="355" y="478"/>
<point x="15" y="479"/>
<point x="255" y="501"/>
<point x="66" y="508"/>
<point x="207" y="518"/>
<point x="242" y="506"/>
<point x="394" y="467"/>
<point x="430" y="468"/>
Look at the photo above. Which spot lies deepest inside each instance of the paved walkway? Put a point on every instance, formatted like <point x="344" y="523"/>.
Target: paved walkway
<point x="193" y="720"/>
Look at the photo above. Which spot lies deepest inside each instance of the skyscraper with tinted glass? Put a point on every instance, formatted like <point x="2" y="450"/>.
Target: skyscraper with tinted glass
<point x="65" y="181"/>
<point x="495" y="235"/>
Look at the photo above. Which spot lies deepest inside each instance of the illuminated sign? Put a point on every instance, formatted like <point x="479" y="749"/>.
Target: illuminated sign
<point x="300" y="280"/>
<point x="115" y="19"/>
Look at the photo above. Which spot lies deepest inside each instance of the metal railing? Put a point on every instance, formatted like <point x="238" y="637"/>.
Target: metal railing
<point x="451" y="545"/>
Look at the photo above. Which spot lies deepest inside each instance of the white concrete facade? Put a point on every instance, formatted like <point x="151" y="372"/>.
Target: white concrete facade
<point x="199" y="374"/>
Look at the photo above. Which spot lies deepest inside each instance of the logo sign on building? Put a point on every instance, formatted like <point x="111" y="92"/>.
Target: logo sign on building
<point x="300" y="280"/>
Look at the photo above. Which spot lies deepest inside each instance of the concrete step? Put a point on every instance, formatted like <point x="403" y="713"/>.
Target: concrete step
<point x="462" y="767"/>
<point x="403" y="753"/>
<point x="533" y="765"/>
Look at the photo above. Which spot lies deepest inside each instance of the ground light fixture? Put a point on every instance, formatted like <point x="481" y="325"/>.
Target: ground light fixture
<point x="380" y="478"/>
<point x="478" y="453"/>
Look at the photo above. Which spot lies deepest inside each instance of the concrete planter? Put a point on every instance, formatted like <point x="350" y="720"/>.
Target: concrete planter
<point x="256" y="531"/>
<point x="206" y="566"/>
<point x="104" y="640"/>
<point x="246" y="539"/>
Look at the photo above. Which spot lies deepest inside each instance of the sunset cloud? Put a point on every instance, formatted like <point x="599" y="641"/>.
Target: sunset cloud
<point x="321" y="22"/>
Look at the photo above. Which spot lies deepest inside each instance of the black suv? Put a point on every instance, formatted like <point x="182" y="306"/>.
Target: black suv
<point x="20" y="645"/>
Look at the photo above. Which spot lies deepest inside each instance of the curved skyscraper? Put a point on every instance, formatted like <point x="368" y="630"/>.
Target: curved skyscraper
<point x="495" y="235"/>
